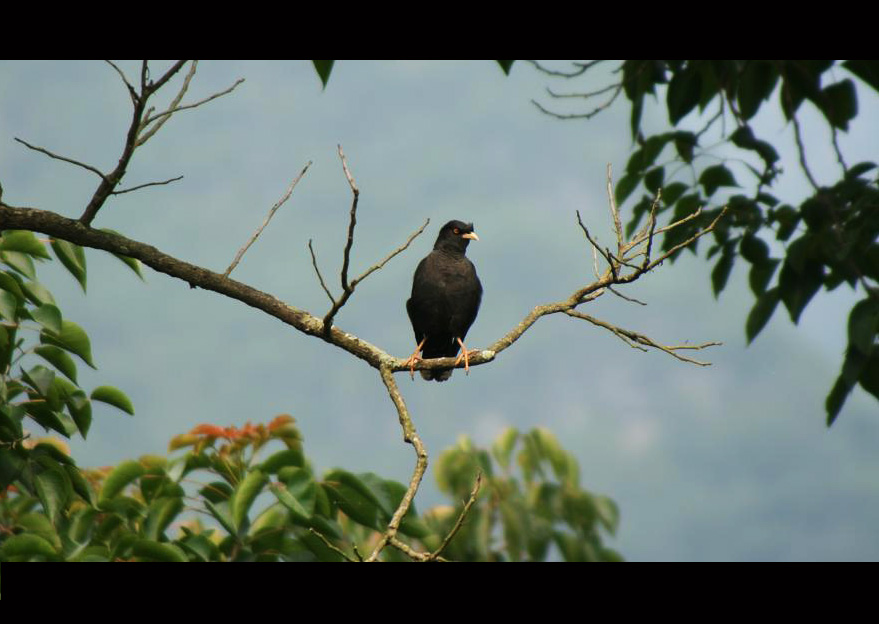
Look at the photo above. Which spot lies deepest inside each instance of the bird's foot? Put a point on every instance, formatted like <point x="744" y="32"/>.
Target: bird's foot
<point x="415" y="357"/>
<point x="465" y="355"/>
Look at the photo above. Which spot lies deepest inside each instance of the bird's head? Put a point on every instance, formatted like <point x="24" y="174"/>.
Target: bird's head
<point x="454" y="236"/>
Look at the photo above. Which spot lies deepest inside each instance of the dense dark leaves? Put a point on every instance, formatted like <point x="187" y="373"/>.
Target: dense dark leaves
<point x="828" y="240"/>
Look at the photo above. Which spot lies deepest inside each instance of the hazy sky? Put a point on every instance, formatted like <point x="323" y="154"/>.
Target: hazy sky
<point x="732" y="461"/>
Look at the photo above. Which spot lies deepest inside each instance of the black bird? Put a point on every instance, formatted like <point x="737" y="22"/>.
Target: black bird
<point x="445" y="299"/>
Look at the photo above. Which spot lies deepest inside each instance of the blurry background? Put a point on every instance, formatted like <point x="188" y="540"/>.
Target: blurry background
<point x="732" y="461"/>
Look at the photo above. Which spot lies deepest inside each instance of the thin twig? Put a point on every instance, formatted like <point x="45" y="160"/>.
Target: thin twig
<point x="595" y="244"/>
<point x="460" y="522"/>
<point x="176" y="101"/>
<point x="131" y="90"/>
<point x="651" y="228"/>
<point x="622" y="296"/>
<point x="584" y="67"/>
<point x="177" y="109"/>
<point x="346" y="255"/>
<point x="587" y="95"/>
<point x="332" y="546"/>
<point x="836" y="148"/>
<point x="406" y="549"/>
<point x="319" y="276"/>
<point x="140" y="186"/>
<point x="588" y="115"/>
<point x="43" y="150"/>
<point x="398" y="250"/>
<point x="268" y="218"/>
<point x="615" y="212"/>
<point x="641" y="339"/>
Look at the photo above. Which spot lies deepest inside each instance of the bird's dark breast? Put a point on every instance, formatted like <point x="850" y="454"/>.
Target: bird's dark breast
<point x="445" y="299"/>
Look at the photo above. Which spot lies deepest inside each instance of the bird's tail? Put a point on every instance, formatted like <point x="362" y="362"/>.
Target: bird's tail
<point x="436" y="375"/>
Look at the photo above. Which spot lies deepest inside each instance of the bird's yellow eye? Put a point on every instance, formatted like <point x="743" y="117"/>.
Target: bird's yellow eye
<point x="456" y="231"/>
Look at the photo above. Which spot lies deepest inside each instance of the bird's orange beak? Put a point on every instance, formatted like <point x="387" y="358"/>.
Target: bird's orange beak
<point x="470" y="235"/>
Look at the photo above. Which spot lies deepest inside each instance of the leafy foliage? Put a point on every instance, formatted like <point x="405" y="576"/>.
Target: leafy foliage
<point x="527" y="507"/>
<point x="829" y="239"/>
<point x="38" y="381"/>
<point x="276" y="509"/>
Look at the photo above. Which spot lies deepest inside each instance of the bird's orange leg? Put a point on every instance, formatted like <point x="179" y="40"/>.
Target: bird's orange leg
<point x="414" y="358"/>
<point x="465" y="355"/>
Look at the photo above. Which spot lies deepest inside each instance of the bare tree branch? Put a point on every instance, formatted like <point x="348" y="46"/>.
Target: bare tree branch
<point x="140" y="186"/>
<point x="346" y="256"/>
<point x="615" y="212"/>
<point x="268" y="218"/>
<point x="143" y="138"/>
<point x="630" y="337"/>
<point x="390" y="256"/>
<point x="163" y="116"/>
<point x="43" y="150"/>
<point x="130" y="88"/>
<point x="410" y="436"/>
<point x="319" y="276"/>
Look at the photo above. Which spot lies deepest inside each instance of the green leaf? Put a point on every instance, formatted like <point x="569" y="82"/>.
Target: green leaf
<point x="685" y="144"/>
<point x="245" y="494"/>
<point x="121" y="476"/>
<point x="863" y="323"/>
<point x="72" y="338"/>
<point x="722" y="269"/>
<point x="10" y="284"/>
<point x="59" y="359"/>
<point x="73" y="258"/>
<point x="800" y="278"/>
<point x="49" y="316"/>
<point x="25" y="546"/>
<point x="8" y="306"/>
<point x="761" y="274"/>
<point x="25" y="242"/>
<point x="869" y="378"/>
<point x="868" y="71"/>
<point x="40" y="379"/>
<point x="505" y="66"/>
<point x="162" y="512"/>
<point x="683" y="93"/>
<point x="714" y="177"/>
<point x="756" y="84"/>
<point x="761" y="313"/>
<point x="608" y="513"/>
<point x="744" y="137"/>
<point x="840" y="103"/>
<point x="291" y="502"/>
<point x="323" y="68"/>
<point x="754" y="249"/>
<point x="54" y="489"/>
<point x="38" y="524"/>
<point x="36" y="292"/>
<point x="287" y="457"/>
<point x="156" y="551"/>
<point x="362" y="509"/>
<point x="502" y="449"/>
<point x="113" y="396"/>
<point x="625" y="186"/>
<point x="222" y="514"/>
<point x="354" y="482"/>
<point x="80" y="409"/>
<point x="654" y="179"/>
<point x="80" y="485"/>
<point x="21" y="262"/>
